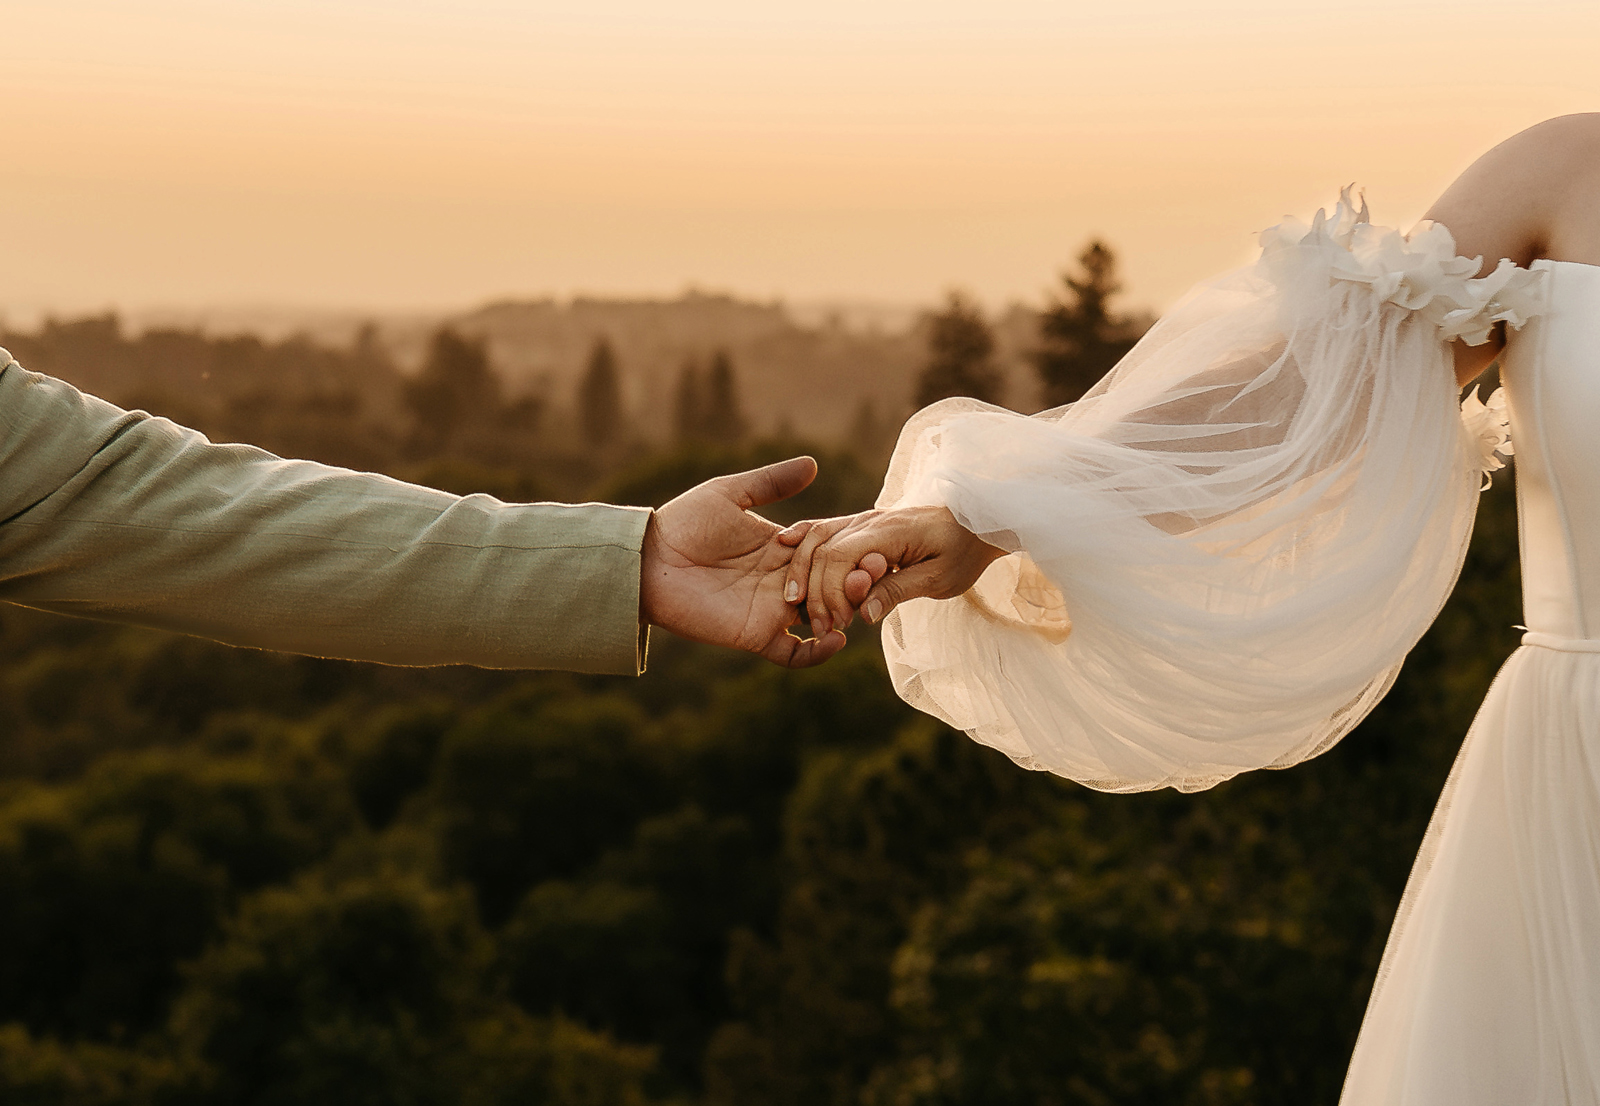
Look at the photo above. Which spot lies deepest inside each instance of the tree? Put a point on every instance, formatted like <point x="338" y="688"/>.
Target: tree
<point x="1080" y="339"/>
<point x="600" y="397"/>
<point x="689" y="403"/>
<point x="456" y="389"/>
<point x="373" y="990"/>
<point x="523" y="795"/>
<point x="721" y="419"/>
<point x="707" y="407"/>
<point x="870" y="439"/>
<point x="114" y="881"/>
<point x="960" y="355"/>
<point x="39" y="1070"/>
<point x="368" y="349"/>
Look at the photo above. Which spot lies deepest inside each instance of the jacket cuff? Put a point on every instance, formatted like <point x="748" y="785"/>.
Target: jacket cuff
<point x="620" y="637"/>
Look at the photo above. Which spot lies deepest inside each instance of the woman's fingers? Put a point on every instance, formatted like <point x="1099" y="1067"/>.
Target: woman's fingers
<point x="845" y="563"/>
<point x="808" y="539"/>
<point x="950" y="560"/>
<point x="803" y="569"/>
<point x="895" y="588"/>
<point x="837" y="562"/>
<point x="868" y="549"/>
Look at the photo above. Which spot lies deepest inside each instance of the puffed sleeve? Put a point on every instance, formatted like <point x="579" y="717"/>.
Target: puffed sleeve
<point x="118" y="515"/>
<point x="1221" y="555"/>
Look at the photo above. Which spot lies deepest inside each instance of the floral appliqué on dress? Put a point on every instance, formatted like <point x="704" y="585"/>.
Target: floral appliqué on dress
<point x="1419" y="272"/>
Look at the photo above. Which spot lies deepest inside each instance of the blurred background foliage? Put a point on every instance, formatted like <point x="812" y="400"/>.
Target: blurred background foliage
<point x="239" y="877"/>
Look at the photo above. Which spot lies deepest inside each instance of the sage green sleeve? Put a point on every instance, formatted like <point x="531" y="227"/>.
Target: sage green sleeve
<point x="119" y="515"/>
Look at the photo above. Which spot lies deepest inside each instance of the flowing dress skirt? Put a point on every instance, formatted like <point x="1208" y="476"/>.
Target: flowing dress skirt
<point x="1489" y="993"/>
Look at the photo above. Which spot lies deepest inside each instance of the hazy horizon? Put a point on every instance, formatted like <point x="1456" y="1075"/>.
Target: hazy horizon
<point x="272" y="319"/>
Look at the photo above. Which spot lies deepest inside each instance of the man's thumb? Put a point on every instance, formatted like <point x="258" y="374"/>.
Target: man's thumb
<point x="770" y="483"/>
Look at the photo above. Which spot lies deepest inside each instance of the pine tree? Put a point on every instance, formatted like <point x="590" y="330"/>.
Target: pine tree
<point x="960" y="355"/>
<point x="456" y="389"/>
<point x="722" y="421"/>
<point x="600" y="397"/>
<point x="1080" y="339"/>
<point x="870" y="439"/>
<point x="368" y="348"/>
<point x="689" y="404"/>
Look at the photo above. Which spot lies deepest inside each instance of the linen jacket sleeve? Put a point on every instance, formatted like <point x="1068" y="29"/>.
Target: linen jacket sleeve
<point x="119" y="515"/>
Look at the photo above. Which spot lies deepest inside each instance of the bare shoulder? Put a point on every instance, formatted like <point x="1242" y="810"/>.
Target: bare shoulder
<point x="1573" y="189"/>
<point x="1531" y="196"/>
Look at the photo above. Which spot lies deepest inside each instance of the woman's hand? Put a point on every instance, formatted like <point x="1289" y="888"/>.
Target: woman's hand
<point x="844" y="564"/>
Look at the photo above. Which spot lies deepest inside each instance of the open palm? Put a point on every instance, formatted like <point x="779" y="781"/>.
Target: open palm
<point x="714" y="573"/>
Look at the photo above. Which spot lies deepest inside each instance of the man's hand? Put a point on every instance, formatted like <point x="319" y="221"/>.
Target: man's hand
<point x="712" y="571"/>
<point x="843" y="564"/>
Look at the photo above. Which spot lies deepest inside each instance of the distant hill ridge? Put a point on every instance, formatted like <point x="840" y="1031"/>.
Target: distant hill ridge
<point x="811" y="378"/>
<point x="808" y="369"/>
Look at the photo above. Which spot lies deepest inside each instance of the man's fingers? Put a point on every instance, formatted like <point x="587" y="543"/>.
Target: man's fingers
<point x="793" y="652"/>
<point x="792" y="535"/>
<point x="770" y="483"/>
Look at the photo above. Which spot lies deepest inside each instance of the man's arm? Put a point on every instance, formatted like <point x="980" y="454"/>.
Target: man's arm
<point x="119" y="515"/>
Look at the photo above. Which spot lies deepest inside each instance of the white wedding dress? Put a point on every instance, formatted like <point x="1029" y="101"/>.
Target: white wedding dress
<point x="1490" y="985"/>
<point x="1223" y="553"/>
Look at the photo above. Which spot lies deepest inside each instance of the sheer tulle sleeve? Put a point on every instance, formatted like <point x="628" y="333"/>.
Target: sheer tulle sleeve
<point x="1221" y="554"/>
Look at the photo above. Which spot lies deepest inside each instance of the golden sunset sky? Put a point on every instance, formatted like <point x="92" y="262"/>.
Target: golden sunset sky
<point x="410" y="154"/>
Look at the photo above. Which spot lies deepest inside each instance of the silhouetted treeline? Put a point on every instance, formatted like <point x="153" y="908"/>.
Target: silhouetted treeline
<point x="806" y="375"/>
<point x="455" y="423"/>
<point x="478" y="408"/>
<point x="343" y="406"/>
